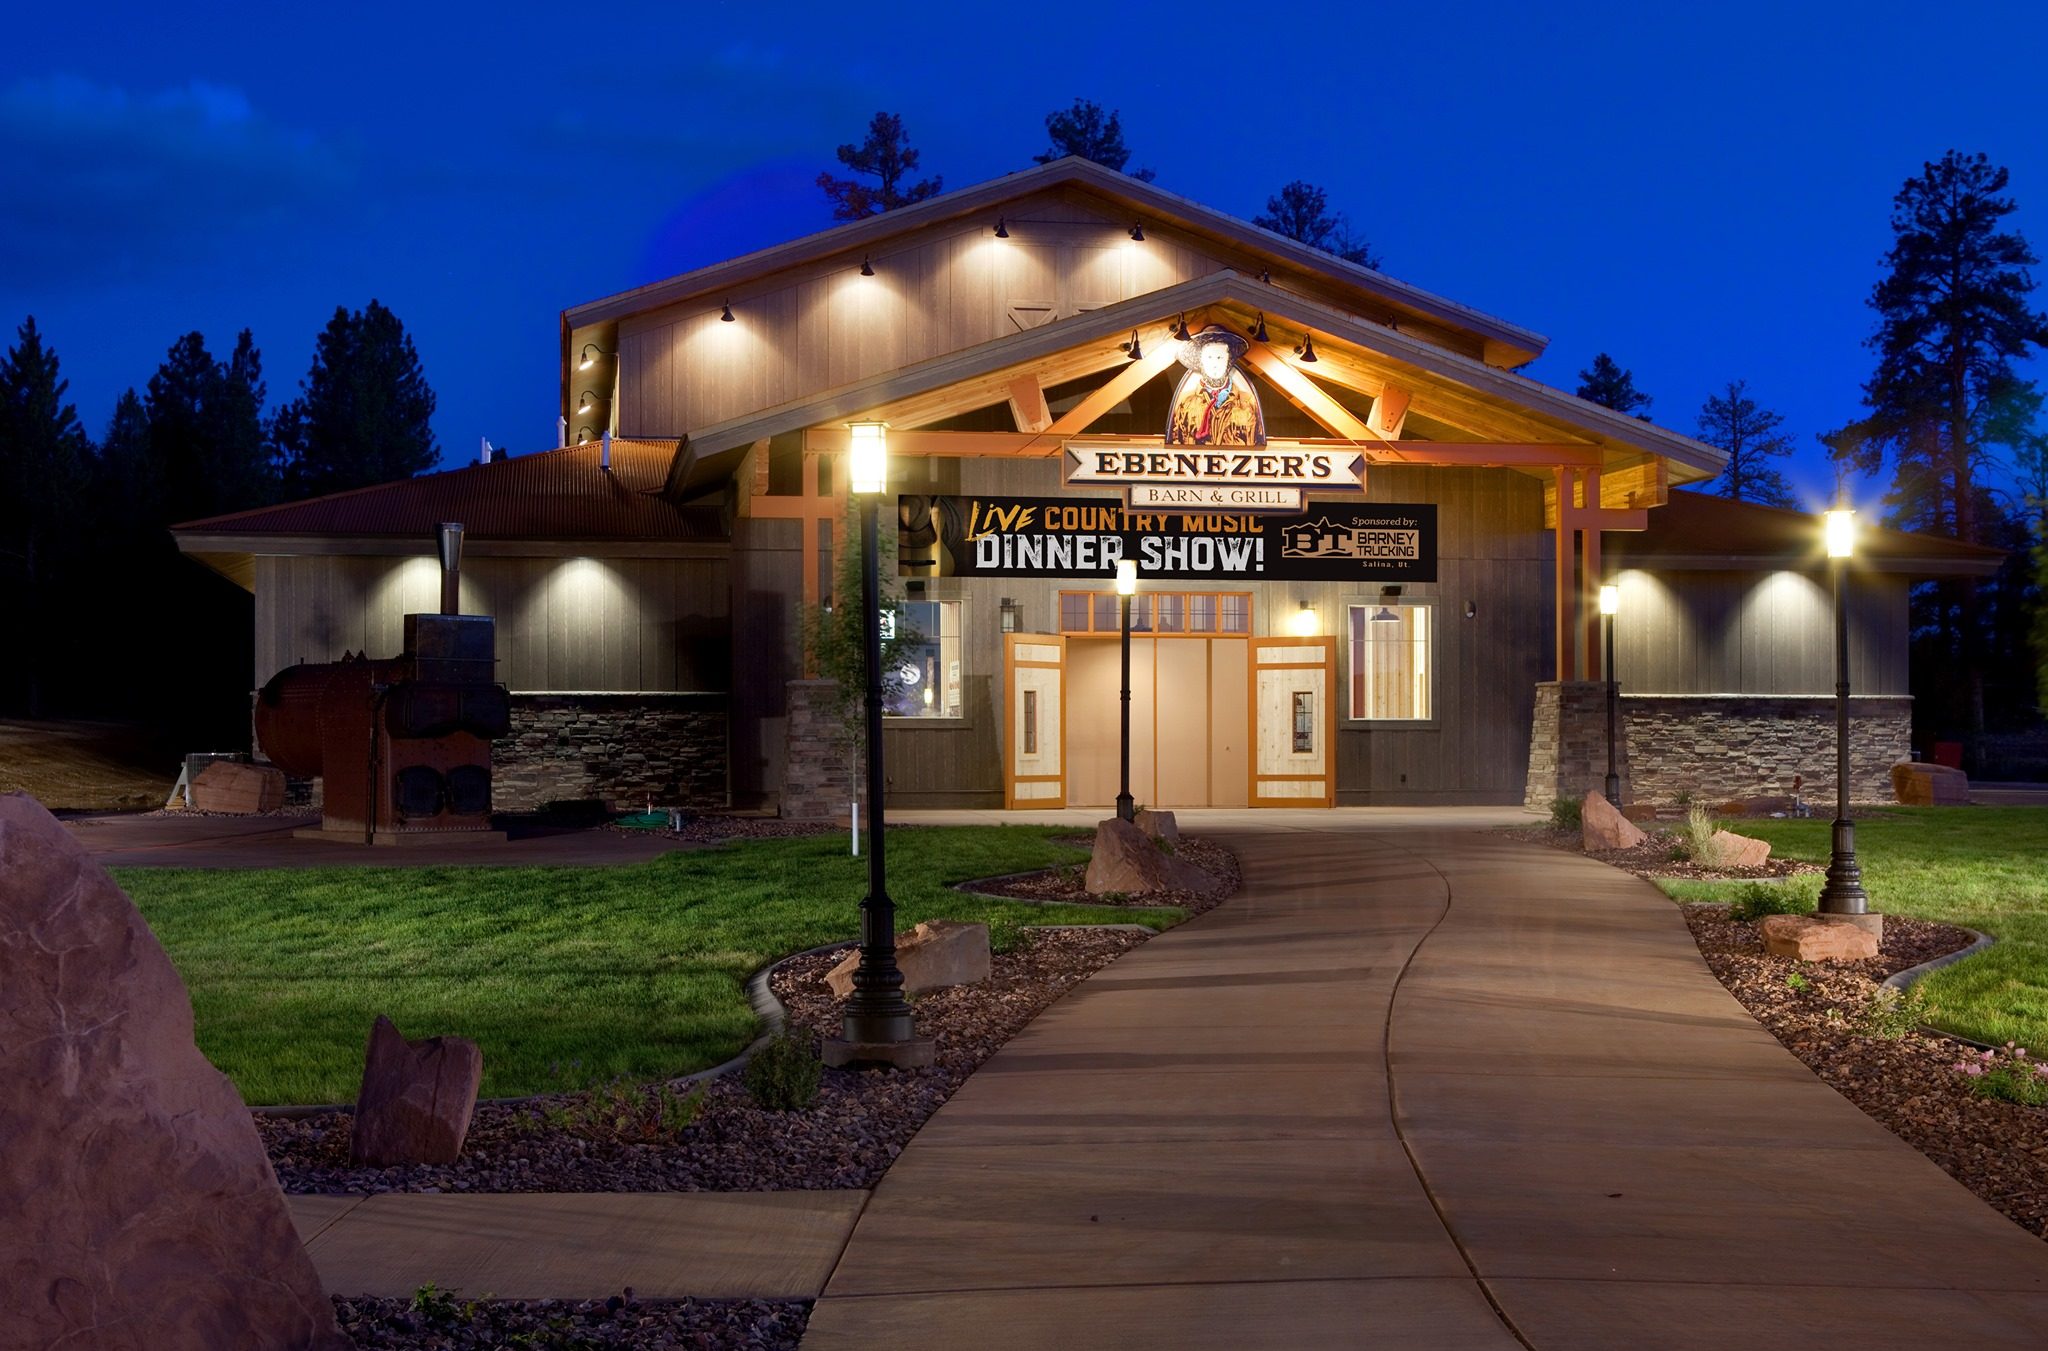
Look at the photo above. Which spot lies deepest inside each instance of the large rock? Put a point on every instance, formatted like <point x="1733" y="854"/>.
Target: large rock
<point x="238" y="789"/>
<point x="1729" y="850"/>
<point x="1601" y="827"/>
<point x="937" y="953"/>
<point x="416" y="1099"/>
<point x="1812" y="939"/>
<point x="1159" y="825"/>
<point x="137" y="1209"/>
<point x="1921" y="783"/>
<point x="1129" y="862"/>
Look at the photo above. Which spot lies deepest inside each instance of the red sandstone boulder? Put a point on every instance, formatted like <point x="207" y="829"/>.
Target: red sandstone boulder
<point x="416" y="1099"/>
<point x="937" y="953"/>
<point x="1637" y="812"/>
<point x="1601" y="827"/>
<point x="239" y="789"/>
<point x="138" y="1211"/>
<point x="1729" y="850"/>
<point x="1921" y="783"/>
<point x="1129" y="862"/>
<point x="1159" y="825"/>
<point x="1813" y="939"/>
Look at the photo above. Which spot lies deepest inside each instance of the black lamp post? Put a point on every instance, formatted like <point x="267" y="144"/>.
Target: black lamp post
<point x="1843" y="892"/>
<point x="1610" y="605"/>
<point x="878" y="1028"/>
<point x="1126" y="587"/>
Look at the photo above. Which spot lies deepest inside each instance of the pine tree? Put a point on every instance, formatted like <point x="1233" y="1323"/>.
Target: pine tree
<point x="1085" y="131"/>
<point x="1953" y="317"/>
<point x="1734" y="422"/>
<point x="1301" y="211"/>
<point x="1608" y="385"/>
<point x="206" y="434"/>
<point x="884" y="157"/>
<point x="44" y="462"/>
<point x="364" y="413"/>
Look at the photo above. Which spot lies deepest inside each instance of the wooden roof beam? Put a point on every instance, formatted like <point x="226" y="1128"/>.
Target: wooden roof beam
<point x="1331" y="416"/>
<point x="1390" y="412"/>
<point x="1028" y="405"/>
<point x="1112" y="392"/>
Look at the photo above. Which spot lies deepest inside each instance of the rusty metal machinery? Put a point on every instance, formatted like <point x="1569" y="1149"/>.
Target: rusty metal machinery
<point x="402" y="744"/>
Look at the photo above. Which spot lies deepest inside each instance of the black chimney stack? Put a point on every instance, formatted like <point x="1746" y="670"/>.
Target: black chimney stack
<point x="451" y="567"/>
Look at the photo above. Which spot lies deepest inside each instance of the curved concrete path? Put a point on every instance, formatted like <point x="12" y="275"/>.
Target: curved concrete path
<point x="1418" y="1086"/>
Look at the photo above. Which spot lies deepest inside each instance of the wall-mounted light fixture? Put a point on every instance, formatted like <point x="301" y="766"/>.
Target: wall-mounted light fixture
<point x="589" y="402"/>
<point x="1180" y="330"/>
<point x="1389" y="597"/>
<point x="1137" y="234"/>
<point x="1304" y="623"/>
<point x="1012" y="615"/>
<point x="591" y="352"/>
<point x="1258" y="330"/>
<point x="1132" y="348"/>
<point x="1002" y="228"/>
<point x="582" y="436"/>
<point x="1307" y="351"/>
<point x="725" y="315"/>
<point x="867" y="269"/>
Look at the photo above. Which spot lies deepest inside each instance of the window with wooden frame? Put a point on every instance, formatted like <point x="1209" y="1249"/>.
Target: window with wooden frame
<point x="1392" y="672"/>
<point x="928" y="674"/>
<point x="1167" y="614"/>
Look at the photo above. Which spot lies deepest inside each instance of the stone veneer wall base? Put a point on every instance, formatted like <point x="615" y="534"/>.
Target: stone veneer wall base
<point x="624" y="750"/>
<point x="1716" y="747"/>
<point x="1568" y="743"/>
<point x="818" y="763"/>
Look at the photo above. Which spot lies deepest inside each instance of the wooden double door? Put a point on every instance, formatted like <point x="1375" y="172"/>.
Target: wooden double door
<point x="1222" y="721"/>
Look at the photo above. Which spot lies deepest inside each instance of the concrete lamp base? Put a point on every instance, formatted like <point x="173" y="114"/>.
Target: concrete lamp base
<point x="911" y="1054"/>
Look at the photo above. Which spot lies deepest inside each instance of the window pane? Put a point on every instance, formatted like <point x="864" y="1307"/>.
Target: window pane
<point x="1390" y="661"/>
<point x="924" y="675"/>
<point x="1106" y="620"/>
<point x="1170" y="605"/>
<point x="1201" y="614"/>
<point x="1304" y="722"/>
<point x="1141" y="614"/>
<point x="1073" y="612"/>
<point x="1031" y="722"/>
<point x="1236" y="613"/>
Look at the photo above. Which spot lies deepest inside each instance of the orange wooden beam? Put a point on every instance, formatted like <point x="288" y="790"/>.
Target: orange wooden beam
<point x="1311" y="398"/>
<point x="1563" y="591"/>
<point x="1589" y="585"/>
<point x="1028" y="405"/>
<point x="1113" y="391"/>
<point x="1390" y="412"/>
<point x="1478" y="454"/>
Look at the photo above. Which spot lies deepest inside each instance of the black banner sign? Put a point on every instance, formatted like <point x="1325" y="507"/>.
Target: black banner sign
<point x="1380" y="542"/>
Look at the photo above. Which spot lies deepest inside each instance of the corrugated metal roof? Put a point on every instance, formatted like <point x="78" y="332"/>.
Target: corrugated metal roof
<point x="1701" y="529"/>
<point x="554" y="494"/>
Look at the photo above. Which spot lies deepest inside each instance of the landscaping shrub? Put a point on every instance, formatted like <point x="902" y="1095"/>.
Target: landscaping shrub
<point x="2007" y="1075"/>
<point x="623" y="1112"/>
<point x="1564" y="813"/>
<point x="783" y="1075"/>
<point x="1892" y="1012"/>
<point x="1698" y="835"/>
<point x="1761" y="898"/>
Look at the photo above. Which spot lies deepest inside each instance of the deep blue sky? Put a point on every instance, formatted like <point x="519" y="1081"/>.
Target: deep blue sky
<point x="1701" y="190"/>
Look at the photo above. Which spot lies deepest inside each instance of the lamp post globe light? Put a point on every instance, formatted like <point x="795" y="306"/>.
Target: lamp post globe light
<point x="878" y="1027"/>
<point x="1610" y="606"/>
<point x="1843" y="892"/>
<point x="1126" y="587"/>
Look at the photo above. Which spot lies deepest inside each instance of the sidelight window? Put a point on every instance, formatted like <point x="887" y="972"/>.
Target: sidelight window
<point x="1391" y="666"/>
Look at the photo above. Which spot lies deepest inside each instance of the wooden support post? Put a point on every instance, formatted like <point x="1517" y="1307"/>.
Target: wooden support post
<point x="1567" y="487"/>
<point x="1589" y="587"/>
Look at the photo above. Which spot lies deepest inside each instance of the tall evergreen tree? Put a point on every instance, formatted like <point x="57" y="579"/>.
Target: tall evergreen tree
<point x="364" y="413"/>
<point x="1749" y="433"/>
<point x="886" y="157"/>
<point x="44" y="462"/>
<point x="1953" y="317"/>
<point x="1608" y="385"/>
<point x="1301" y="211"/>
<point x="206" y="433"/>
<point x="1086" y="131"/>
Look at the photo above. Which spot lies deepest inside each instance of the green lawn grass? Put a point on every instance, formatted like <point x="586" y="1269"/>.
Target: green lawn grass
<point x="1985" y="868"/>
<point x="564" y="976"/>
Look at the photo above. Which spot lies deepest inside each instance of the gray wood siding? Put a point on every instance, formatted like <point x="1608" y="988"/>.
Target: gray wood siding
<point x="1685" y="632"/>
<point x="767" y="651"/>
<point x="623" y="625"/>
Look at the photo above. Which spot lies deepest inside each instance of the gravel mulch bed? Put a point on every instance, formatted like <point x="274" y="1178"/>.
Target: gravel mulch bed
<point x="439" y="1321"/>
<point x="1064" y="885"/>
<point x="1999" y="1150"/>
<point x="847" y="1138"/>
<point x="1653" y="858"/>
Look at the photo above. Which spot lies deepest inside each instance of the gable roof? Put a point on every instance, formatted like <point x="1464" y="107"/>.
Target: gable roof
<point x="1148" y="205"/>
<point x="1702" y="531"/>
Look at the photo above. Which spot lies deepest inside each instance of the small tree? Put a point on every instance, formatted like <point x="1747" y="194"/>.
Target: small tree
<point x="1301" y="211"/>
<point x="835" y="642"/>
<point x="886" y="157"/>
<point x="1086" y="131"/>
<point x="44" y="463"/>
<point x="1608" y="385"/>
<point x="1734" y="422"/>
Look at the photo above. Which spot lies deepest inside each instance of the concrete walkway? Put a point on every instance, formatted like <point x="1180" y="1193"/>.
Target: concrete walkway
<point x="1418" y="1086"/>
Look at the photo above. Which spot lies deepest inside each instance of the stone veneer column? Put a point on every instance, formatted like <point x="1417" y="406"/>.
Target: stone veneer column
<point x="818" y="764"/>
<point x="1568" y="743"/>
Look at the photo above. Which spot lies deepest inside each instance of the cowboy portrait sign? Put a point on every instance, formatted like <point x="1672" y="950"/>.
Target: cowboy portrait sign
<point x="1214" y="404"/>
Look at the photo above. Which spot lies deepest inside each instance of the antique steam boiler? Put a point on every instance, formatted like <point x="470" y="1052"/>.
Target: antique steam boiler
<point x="402" y="744"/>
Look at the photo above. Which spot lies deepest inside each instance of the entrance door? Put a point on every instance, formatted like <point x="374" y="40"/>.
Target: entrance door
<point x="1034" y="764"/>
<point x="1294" y="722"/>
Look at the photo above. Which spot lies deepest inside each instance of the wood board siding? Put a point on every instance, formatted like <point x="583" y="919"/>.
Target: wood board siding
<point x="618" y="625"/>
<point x="937" y="291"/>
<point x="1756" y="633"/>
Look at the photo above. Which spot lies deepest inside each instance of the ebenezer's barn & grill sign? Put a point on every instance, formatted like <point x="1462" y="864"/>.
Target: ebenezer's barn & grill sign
<point x="1368" y="545"/>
